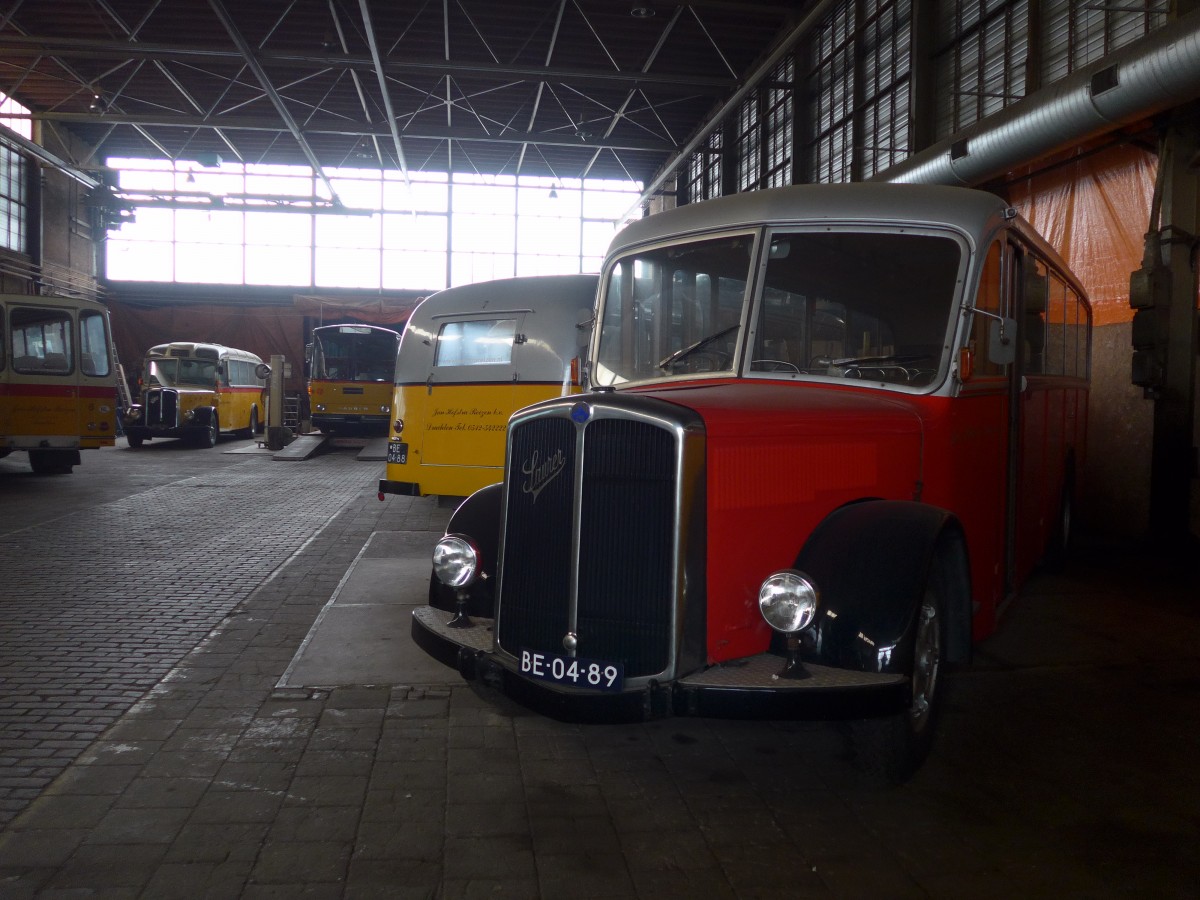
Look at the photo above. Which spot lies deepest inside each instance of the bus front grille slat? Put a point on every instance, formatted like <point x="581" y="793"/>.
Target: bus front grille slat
<point x="625" y="563"/>
<point x="162" y="408"/>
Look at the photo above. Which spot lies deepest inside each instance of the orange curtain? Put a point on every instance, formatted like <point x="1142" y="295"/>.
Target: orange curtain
<point x="1095" y="212"/>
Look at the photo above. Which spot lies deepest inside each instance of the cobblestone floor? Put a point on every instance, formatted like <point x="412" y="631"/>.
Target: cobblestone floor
<point x="1064" y="764"/>
<point x="100" y="604"/>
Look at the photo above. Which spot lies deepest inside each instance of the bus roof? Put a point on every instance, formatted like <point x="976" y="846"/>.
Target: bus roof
<point x="356" y="328"/>
<point x="974" y="212"/>
<point x="202" y="350"/>
<point x="553" y="306"/>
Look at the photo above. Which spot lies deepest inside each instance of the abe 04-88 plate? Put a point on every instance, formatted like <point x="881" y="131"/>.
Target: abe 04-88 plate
<point x="397" y="452"/>
<point x="595" y="674"/>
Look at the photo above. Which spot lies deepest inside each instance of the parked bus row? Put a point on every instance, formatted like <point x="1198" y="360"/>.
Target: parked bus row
<point x="443" y="392"/>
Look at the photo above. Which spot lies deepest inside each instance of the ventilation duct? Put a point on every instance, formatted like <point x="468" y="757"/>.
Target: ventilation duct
<point x="1157" y="73"/>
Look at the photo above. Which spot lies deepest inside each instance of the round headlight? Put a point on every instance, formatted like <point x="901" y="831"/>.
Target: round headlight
<point x="788" y="601"/>
<point x="455" y="560"/>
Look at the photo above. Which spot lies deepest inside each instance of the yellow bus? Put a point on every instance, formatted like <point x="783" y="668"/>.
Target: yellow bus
<point x="58" y="383"/>
<point x="195" y="391"/>
<point x="469" y="357"/>
<point x="351" y="369"/>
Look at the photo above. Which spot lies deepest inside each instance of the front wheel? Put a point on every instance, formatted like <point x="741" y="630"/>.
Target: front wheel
<point x="134" y="438"/>
<point x="207" y="435"/>
<point x="891" y="749"/>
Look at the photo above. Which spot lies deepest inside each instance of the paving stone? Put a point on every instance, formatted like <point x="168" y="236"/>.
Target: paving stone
<point x="210" y="780"/>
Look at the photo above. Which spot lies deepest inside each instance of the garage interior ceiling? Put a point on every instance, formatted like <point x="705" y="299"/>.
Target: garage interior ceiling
<point x="568" y="89"/>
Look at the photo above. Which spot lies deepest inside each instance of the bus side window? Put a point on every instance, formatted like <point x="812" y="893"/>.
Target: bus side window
<point x="1035" y="286"/>
<point x="1057" y="333"/>
<point x="988" y="299"/>
<point x="93" y="344"/>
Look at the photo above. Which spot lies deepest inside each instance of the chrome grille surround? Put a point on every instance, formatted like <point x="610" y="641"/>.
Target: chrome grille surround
<point x="603" y="535"/>
<point x="162" y="408"/>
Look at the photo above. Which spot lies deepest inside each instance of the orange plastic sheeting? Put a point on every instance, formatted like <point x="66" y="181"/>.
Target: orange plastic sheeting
<point x="261" y="330"/>
<point x="1095" y="211"/>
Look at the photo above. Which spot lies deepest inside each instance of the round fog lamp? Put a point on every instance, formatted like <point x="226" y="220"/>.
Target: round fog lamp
<point x="455" y="560"/>
<point x="788" y="601"/>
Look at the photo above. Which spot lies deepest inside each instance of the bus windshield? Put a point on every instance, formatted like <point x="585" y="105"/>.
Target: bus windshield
<point x="174" y="372"/>
<point x="354" y="353"/>
<point x="863" y="304"/>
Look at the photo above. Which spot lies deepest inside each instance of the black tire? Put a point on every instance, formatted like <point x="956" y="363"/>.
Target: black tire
<point x="1055" y="557"/>
<point x="134" y="438"/>
<point x="889" y="750"/>
<point x="252" y="429"/>
<point x="50" y="462"/>
<point x="207" y="436"/>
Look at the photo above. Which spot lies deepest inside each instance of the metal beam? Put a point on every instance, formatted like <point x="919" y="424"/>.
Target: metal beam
<point x="252" y="123"/>
<point x="764" y="68"/>
<point x="14" y="46"/>
<point x="377" y="61"/>
<point x="277" y="101"/>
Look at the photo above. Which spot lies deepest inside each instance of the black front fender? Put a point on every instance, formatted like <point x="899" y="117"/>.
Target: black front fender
<point x="871" y="562"/>
<point x="477" y="517"/>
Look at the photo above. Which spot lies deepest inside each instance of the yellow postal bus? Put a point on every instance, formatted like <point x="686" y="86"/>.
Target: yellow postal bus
<point x="469" y="357"/>
<point x="195" y="391"/>
<point x="351" y="371"/>
<point x="58" y="383"/>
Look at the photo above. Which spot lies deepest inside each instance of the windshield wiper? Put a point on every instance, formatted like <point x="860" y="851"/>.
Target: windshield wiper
<point x="670" y="360"/>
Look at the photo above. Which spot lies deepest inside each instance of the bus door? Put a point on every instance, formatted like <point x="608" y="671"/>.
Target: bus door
<point x="95" y="381"/>
<point x="471" y="388"/>
<point x="1030" y="427"/>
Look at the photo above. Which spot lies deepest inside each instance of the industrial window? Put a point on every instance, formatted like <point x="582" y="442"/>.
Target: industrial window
<point x="748" y="143"/>
<point x="859" y="86"/>
<point x="1076" y="34"/>
<point x="274" y="225"/>
<point x="982" y="69"/>
<point x="778" y="121"/>
<point x="14" y="200"/>
<point x="705" y="170"/>
<point x="832" y="87"/>
<point x="886" y="50"/>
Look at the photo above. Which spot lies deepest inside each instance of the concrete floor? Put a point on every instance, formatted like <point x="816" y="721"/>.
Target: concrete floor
<point x="209" y="691"/>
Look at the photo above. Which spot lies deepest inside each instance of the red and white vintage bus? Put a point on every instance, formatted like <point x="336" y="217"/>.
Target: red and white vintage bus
<point x="830" y="430"/>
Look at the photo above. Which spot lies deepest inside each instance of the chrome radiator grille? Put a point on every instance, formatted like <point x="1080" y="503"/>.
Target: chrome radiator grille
<point x="626" y="528"/>
<point x="162" y="408"/>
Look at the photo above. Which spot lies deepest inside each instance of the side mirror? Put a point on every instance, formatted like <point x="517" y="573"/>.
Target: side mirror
<point x="262" y="371"/>
<point x="1002" y="341"/>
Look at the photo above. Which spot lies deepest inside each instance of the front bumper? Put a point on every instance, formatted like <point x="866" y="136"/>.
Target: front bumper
<point x="739" y="689"/>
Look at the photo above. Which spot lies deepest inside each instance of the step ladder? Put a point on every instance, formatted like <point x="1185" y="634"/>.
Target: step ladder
<point x="291" y="410"/>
